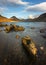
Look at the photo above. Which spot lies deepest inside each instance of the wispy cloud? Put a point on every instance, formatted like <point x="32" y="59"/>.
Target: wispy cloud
<point x="19" y="2"/>
<point x="37" y="7"/>
<point x="7" y="4"/>
<point x="21" y="8"/>
<point x="13" y="2"/>
<point x="2" y="9"/>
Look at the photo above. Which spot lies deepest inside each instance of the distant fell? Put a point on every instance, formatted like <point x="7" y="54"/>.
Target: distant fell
<point x="14" y="18"/>
<point x="5" y="19"/>
<point x="41" y="18"/>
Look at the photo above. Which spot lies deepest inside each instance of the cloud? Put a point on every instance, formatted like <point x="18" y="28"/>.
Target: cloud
<point x="19" y="2"/>
<point x="31" y="16"/>
<point x="3" y="9"/>
<point x="6" y="4"/>
<point x="3" y="2"/>
<point x="13" y="2"/>
<point x="37" y="7"/>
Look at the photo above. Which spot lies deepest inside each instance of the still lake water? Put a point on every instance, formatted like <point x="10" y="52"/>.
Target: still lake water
<point x="11" y="50"/>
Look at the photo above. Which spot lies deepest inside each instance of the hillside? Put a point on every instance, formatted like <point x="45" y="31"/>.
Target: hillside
<point x="13" y="18"/>
<point x="41" y="18"/>
<point x="4" y="19"/>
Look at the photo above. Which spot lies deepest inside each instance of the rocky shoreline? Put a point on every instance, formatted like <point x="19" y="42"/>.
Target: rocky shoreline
<point x="14" y="28"/>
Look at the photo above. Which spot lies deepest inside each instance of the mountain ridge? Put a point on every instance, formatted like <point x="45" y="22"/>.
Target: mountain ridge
<point x="41" y="18"/>
<point x="5" y="19"/>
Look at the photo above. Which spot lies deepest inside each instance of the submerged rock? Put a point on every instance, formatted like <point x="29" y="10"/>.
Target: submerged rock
<point x="3" y="25"/>
<point x="0" y="30"/>
<point x="44" y="36"/>
<point x="32" y="27"/>
<point x="17" y="36"/>
<point x="42" y="30"/>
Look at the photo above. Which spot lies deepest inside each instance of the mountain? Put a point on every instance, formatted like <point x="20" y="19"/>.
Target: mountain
<point x="4" y="19"/>
<point x="41" y="18"/>
<point x="13" y="18"/>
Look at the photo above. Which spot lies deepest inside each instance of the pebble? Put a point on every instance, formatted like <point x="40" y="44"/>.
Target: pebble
<point x="17" y="36"/>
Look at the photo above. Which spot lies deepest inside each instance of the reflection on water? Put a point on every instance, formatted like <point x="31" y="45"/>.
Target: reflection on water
<point x="11" y="50"/>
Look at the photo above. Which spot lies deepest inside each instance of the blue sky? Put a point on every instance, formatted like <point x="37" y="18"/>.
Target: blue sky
<point x="22" y="8"/>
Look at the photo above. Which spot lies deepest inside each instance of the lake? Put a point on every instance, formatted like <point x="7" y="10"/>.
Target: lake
<point x="11" y="49"/>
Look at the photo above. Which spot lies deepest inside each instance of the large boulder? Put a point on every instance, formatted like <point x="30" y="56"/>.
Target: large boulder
<point x="14" y="28"/>
<point x="8" y="28"/>
<point x="18" y="28"/>
<point x="29" y="45"/>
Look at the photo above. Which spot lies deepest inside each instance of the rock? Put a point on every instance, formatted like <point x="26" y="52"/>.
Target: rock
<point x="42" y="30"/>
<point x="0" y="30"/>
<point x="8" y="29"/>
<point x="18" y="28"/>
<point x="42" y="48"/>
<point x="17" y="36"/>
<point x="14" y="28"/>
<point x="44" y="36"/>
<point x="29" y="45"/>
<point x="3" y="25"/>
<point x="5" y="60"/>
<point x="32" y="27"/>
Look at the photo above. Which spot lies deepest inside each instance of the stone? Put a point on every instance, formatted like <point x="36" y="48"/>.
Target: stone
<point x="44" y="36"/>
<point x="29" y="45"/>
<point x="3" y="25"/>
<point x="8" y="28"/>
<point x="42" y="30"/>
<point x="17" y="36"/>
<point x="14" y="28"/>
<point x="0" y="30"/>
<point x="42" y="48"/>
<point x="18" y="28"/>
<point x="32" y="27"/>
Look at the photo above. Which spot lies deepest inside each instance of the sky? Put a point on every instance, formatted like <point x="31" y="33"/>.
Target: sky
<point x="22" y="8"/>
